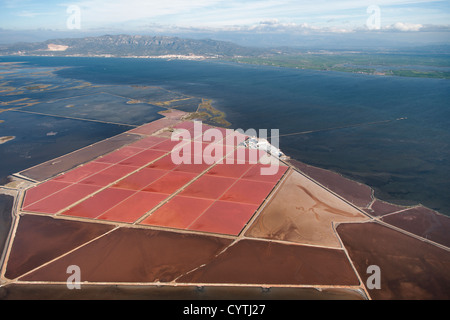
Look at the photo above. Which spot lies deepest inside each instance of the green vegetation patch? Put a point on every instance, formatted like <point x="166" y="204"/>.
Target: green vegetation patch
<point x="367" y="63"/>
<point x="6" y="139"/>
<point x="208" y="114"/>
<point x="38" y="87"/>
<point x="421" y="74"/>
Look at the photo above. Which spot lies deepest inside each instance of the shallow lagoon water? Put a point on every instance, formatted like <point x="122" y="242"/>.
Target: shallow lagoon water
<point x="40" y="138"/>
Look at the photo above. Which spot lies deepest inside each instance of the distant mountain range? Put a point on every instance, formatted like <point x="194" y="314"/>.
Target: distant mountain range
<point x="136" y="46"/>
<point x="424" y="62"/>
<point x="154" y="46"/>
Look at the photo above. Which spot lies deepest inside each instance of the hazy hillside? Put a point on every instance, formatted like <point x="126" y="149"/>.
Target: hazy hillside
<point x="425" y="61"/>
<point x="126" y="45"/>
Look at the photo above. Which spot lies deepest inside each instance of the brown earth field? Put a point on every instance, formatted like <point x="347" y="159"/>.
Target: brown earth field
<point x="143" y="255"/>
<point x="265" y="262"/>
<point x="409" y="268"/>
<point x="134" y="255"/>
<point x="40" y="239"/>
<point x="6" y="206"/>
<point x="423" y="222"/>
<point x="380" y="208"/>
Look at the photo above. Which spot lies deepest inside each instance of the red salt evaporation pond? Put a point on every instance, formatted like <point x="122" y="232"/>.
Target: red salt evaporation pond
<point x="246" y="191"/>
<point x="98" y="203"/>
<point x="192" y="147"/>
<point x="169" y="145"/>
<point x="208" y="187"/>
<point x="62" y="199"/>
<point x="178" y="213"/>
<point x="119" y="155"/>
<point x="82" y="172"/>
<point x="134" y="207"/>
<point x="224" y="217"/>
<point x="43" y="190"/>
<point x="142" y="158"/>
<point x="170" y="182"/>
<point x="265" y="173"/>
<point x="140" y="179"/>
<point x="108" y="175"/>
<point x="147" y="142"/>
<point x="165" y="163"/>
<point x="204" y="160"/>
<point x="229" y="170"/>
<point x="218" y="150"/>
<point x="197" y="152"/>
<point x="198" y="166"/>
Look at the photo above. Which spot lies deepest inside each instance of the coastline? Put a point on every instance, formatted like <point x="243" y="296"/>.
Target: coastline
<point x="264" y="61"/>
<point x="209" y="115"/>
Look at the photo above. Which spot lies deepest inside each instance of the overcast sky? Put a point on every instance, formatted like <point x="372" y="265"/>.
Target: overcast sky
<point x="251" y="16"/>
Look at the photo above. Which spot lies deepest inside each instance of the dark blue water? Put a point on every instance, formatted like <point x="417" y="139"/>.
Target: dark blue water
<point x="406" y="161"/>
<point x="41" y="138"/>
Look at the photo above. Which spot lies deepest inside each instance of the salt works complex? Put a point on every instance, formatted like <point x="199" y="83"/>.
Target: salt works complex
<point x="137" y="224"/>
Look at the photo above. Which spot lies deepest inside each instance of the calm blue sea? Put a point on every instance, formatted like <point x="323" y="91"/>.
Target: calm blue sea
<point x="405" y="161"/>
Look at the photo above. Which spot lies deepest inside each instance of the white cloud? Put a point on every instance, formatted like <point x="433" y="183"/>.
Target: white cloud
<point x="226" y="12"/>
<point x="401" y="26"/>
<point x="338" y="16"/>
<point x="118" y="11"/>
<point x="33" y="14"/>
<point x="276" y="27"/>
<point x="28" y="14"/>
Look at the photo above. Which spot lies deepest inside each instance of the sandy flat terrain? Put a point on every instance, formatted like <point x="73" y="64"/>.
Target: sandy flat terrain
<point x="303" y="212"/>
<point x="357" y="193"/>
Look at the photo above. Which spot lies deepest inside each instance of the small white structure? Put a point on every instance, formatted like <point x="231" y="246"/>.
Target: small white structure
<point x="264" y="145"/>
